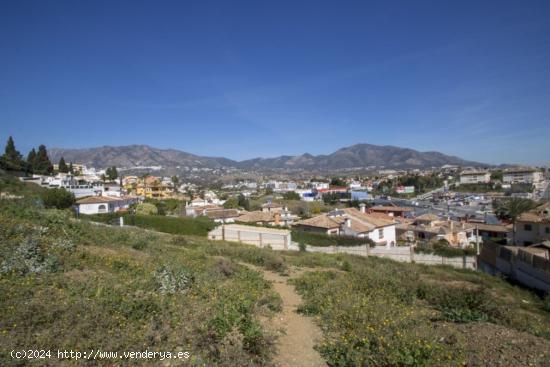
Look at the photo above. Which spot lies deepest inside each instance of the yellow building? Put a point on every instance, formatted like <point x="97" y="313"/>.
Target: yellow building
<point x="151" y="187"/>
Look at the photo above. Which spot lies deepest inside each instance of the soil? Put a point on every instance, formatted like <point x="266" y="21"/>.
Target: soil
<point x="298" y="333"/>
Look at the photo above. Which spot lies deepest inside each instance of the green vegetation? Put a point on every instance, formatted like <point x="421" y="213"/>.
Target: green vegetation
<point x="323" y="240"/>
<point x="199" y="226"/>
<point x="58" y="198"/>
<point x="111" y="173"/>
<point x="291" y="195"/>
<point x="146" y="209"/>
<point x="74" y="285"/>
<point x="62" y="166"/>
<point x="379" y="312"/>
<point x="442" y="248"/>
<point x="38" y="163"/>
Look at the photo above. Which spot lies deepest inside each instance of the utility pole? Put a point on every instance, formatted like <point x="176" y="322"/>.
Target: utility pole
<point x="477" y="240"/>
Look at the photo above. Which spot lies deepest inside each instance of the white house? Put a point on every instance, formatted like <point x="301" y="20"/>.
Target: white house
<point x="104" y="204"/>
<point x="475" y="177"/>
<point x="353" y="222"/>
<point x="522" y="175"/>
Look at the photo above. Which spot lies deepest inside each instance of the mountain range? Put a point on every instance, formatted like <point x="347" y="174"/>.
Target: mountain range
<point x="357" y="156"/>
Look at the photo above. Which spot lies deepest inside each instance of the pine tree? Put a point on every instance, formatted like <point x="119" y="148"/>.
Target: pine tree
<point x="111" y="173"/>
<point x="12" y="160"/>
<point x="71" y="168"/>
<point x="43" y="165"/>
<point x="31" y="161"/>
<point x="62" y="167"/>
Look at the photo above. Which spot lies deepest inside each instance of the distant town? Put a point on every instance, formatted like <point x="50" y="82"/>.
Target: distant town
<point x="475" y="212"/>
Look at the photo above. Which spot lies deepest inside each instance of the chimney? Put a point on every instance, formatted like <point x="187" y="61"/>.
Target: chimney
<point x="348" y="222"/>
<point x="452" y="225"/>
<point x="277" y="217"/>
<point x="362" y="207"/>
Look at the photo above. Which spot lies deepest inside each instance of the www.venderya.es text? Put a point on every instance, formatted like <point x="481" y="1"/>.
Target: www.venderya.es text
<point x="96" y="354"/>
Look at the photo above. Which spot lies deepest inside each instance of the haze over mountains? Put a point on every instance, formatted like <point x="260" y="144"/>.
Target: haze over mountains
<point x="355" y="156"/>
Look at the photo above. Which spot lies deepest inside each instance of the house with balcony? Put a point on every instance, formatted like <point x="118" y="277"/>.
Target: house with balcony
<point x="533" y="226"/>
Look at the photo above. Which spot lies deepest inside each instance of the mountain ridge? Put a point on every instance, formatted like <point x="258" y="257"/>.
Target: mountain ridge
<point x="360" y="155"/>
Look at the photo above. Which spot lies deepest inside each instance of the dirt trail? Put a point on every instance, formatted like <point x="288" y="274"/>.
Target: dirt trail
<point x="300" y="334"/>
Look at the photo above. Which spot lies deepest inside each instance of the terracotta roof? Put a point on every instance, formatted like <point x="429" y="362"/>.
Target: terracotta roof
<point x="320" y="221"/>
<point x="256" y="216"/>
<point x="221" y="213"/>
<point x="97" y="200"/>
<point x="360" y="222"/>
<point x="369" y="219"/>
<point x="427" y="216"/>
<point x="494" y="227"/>
<point x="391" y="208"/>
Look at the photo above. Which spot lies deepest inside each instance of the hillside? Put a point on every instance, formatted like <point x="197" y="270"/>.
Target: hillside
<point x="356" y="156"/>
<point x="67" y="284"/>
<point x="136" y="156"/>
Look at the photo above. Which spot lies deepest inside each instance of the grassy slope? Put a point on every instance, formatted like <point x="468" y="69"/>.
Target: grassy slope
<point x="100" y="287"/>
<point x="105" y="292"/>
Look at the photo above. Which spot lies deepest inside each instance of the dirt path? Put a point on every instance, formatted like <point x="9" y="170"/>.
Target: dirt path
<point x="300" y="334"/>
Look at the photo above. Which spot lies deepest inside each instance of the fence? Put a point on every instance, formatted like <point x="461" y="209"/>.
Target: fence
<point x="281" y="240"/>
<point x="401" y="253"/>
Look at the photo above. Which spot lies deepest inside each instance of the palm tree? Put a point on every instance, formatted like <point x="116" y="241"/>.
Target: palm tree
<point x="511" y="209"/>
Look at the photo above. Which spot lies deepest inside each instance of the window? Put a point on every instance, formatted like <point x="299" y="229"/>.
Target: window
<point x="527" y="227"/>
<point x="381" y="234"/>
<point x="547" y="230"/>
<point x="102" y="208"/>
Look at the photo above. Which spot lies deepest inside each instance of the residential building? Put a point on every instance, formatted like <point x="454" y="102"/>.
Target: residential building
<point x="392" y="210"/>
<point x="104" y="204"/>
<point x="529" y="266"/>
<point x="153" y="187"/>
<point x="497" y="233"/>
<point x="278" y="218"/>
<point x="272" y="207"/>
<point x="428" y="227"/>
<point x="533" y="226"/>
<point x="352" y="222"/>
<point x="475" y="177"/>
<point x="522" y="175"/>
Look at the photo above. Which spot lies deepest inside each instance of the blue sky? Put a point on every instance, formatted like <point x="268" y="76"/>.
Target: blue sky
<point x="244" y="79"/>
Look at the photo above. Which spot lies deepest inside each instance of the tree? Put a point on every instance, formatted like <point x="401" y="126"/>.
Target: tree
<point x="176" y="182"/>
<point x="12" y="160"/>
<point x="71" y="168"/>
<point x="336" y="181"/>
<point x="43" y="165"/>
<point x="62" y="166"/>
<point x="231" y="203"/>
<point x="291" y="195"/>
<point x="511" y="209"/>
<point x="111" y="173"/>
<point x="58" y="198"/>
<point x="31" y="161"/>
<point x="243" y="202"/>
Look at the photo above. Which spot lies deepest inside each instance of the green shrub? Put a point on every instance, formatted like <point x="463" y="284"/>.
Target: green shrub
<point x="324" y="240"/>
<point x="58" y="198"/>
<point x="462" y="305"/>
<point x="146" y="209"/>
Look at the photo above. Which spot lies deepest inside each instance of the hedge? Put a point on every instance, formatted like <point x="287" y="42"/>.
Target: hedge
<point x="199" y="226"/>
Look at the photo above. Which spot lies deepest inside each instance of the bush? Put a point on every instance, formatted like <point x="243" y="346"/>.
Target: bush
<point x="146" y="209"/>
<point x="171" y="282"/>
<point x="324" y="240"/>
<point x="58" y="198"/>
<point x="199" y="226"/>
<point x="462" y="305"/>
